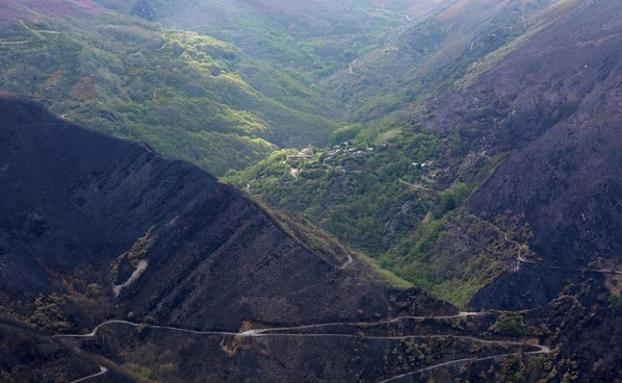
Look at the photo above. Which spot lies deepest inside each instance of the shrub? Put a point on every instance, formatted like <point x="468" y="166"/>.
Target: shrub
<point x="345" y="133"/>
<point x="451" y="198"/>
<point x="509" y="325"/>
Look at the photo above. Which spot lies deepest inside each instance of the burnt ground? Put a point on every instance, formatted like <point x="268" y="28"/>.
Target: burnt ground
<point x="551" y="108"/>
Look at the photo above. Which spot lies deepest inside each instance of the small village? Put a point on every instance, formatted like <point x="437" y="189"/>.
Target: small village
<point x="343" y="151"/>
<point x="339" y="153"/>
<point x="348" y="158"/>
<point x="340" y="158"/>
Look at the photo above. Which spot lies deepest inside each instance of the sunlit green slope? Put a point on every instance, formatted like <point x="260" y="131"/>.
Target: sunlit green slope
<point x="184" y="93"/>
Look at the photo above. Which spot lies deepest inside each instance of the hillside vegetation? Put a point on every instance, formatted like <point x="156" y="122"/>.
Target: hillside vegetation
<point x="184" y="93"/>
<point x="391" y="200"/>
<point x="414" y="190"/>
<point x="397" y="188"/>
<point x="432" y="52"/>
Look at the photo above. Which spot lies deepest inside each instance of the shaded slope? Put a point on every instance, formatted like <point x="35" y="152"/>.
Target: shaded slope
<point x="311" y="37"/>
<point x="431" y="51"/>
<point x="26" y="356"/>
<point x="558" y="119"/>
<point x="64" y="8"/>
<point x="86" y="210"/>
<point x="566" y="188"/>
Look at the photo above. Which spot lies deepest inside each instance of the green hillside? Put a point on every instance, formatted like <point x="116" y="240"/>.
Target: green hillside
<point x="392" y="200"/>
<point x="183" y="93"/>
<point x="311" y="38"/>
<point x="396" y="189"/>
<point x="347" y="77"/>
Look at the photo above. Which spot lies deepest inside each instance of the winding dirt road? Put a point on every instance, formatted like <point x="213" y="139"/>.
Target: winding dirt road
<point x="416" y="186"/>
<point x="348" y="262"/>
<point x="271" y="330"/>
<point x="520" y="260"/>
<point x="587" y="270"/>
<point x="351" y="68"/>
<point x="102" y="371"/>
<point x="280" y="332"/>
<point x="541" y="350"/>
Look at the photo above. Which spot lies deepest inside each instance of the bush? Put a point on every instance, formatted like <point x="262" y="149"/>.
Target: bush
<point x="345" y="133"/>
<point x="509" y="325"/>
<point x="451" y="198"/>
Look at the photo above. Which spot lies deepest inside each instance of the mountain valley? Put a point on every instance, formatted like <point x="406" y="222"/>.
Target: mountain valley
<point x="310" y="191"/>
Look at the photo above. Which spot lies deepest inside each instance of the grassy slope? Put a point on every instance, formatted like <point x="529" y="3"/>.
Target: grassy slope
<point x="181" y="92"/>
<point x="313" y="38"/>
<point x="304" y="42"/>
<point x="386" y="204"/>
<point x="394" y="202"/>
<point x="326" y="247"/>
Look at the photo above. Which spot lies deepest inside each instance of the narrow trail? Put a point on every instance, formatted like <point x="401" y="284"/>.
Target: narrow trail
<point x="267" y="332"/>
<point x="20" y="42"/>
<point x="587" y="270"/>
<point x="278" y="332"/>
<point x="134" y="324"/>
<point x="351" y="68"/>
<point x="348" y="262"/>
<point x="102" y="371"/>
<point x="273" y="330"/>
<point x="416" y="187"/>
<point x="541" y="350"/>
<point x="520" y="260"/>
<point x="38" y="32"/>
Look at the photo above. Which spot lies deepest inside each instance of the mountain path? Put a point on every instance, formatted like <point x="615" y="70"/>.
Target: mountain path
<point x="102" y="371"/>
<point x="520" y="259"/>
<point x="268" y="330"/>
<point x="351" y="68"/>
<point x="276" y="332"/>
<point x="541" y="350"/>
<point x="416" y="186"/>
<point x="348" y="262"/>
